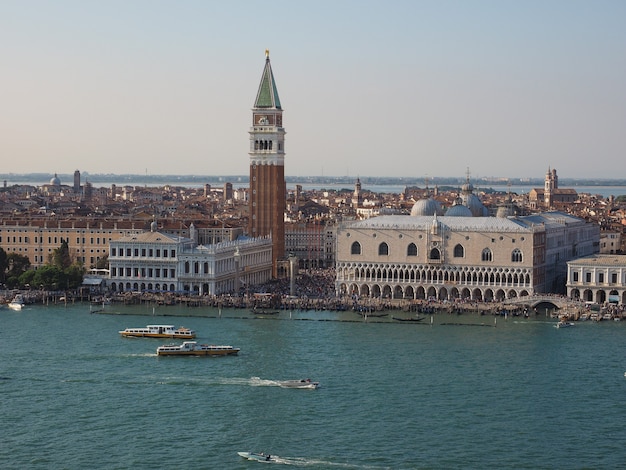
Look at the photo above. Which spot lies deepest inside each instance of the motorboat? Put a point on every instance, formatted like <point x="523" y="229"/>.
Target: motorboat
<point x="260" y="456"/>
<point x="159" y="331"/>
<point x="192" y="348"/>
<point x="564" y="324"/>
<point x="17" y="303"/>
<point x="302" y="383"/>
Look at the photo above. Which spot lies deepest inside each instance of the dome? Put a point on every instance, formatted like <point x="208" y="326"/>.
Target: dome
<point x="55" y="181"/>
<point x="426" y="207"/>
<point x="459" y="210"/>
<point x="508" y="209"/>
<point x="475" y="205"/>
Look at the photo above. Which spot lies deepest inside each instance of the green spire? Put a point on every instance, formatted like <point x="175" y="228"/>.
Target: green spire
<point x="267" y="96"/>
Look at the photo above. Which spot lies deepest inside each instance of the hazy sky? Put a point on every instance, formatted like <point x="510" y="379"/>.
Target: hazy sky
<point x="389" y="88"/>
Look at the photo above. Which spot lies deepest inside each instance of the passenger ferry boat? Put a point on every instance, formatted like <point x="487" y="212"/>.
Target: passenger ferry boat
<point x="192" y="348"/>
<point x="160" y="331"/>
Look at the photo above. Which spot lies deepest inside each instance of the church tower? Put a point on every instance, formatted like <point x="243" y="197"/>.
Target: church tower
<point x="550" y="184"/>
<point x="267" y="166"/>
<point x="356" y="195"/>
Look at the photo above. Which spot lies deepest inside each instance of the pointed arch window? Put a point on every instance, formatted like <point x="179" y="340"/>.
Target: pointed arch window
<point x="411" y="250"/>
<point x="516" y="256"/>
<point x="487" y="255"/>
<point x="383" y="249"/>
<point x="355" y="249"/>
<point x="435" y="254"/>
<point x="459" y="251"/>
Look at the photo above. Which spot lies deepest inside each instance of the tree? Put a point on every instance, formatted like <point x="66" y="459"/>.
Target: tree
<point x="26" y="278"/>
<point x="3" y="265"/>
<point x="60" y="272"/>
<point x="16" y="266"/>
<point x="60" y="257"/>
<point x="50" y="278"/>
<point x="74" y="276"/>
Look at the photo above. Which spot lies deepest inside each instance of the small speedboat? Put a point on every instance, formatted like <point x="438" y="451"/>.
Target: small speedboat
<point x="302" y="383"/>
<point x="564" y="324"/>
<point x="260" y="456"/>
<point x="17" y="303"/>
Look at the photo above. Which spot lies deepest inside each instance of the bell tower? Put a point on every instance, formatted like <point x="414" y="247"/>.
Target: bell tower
<point x="267" y="166"/>
<point x="550" y="184"/>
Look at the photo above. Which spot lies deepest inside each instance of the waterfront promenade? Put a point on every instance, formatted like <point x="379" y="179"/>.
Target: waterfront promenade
<point x="315" y="292"/>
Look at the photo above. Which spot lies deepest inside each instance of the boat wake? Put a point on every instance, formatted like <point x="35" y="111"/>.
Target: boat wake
<point x="210" y="381"/>
<point x="304" y="462"/>
<point x="252" y="382"/>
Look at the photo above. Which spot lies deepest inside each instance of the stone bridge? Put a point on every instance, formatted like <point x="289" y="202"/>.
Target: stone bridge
<point x="546" y="300"/>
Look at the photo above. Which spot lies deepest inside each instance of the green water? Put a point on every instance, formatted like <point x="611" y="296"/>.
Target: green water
<point x="522" y="394"/>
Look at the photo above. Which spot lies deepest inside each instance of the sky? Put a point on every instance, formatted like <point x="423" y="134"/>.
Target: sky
<point x="417" y="88"/>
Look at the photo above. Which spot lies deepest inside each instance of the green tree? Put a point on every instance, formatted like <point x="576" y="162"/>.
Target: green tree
<point x="74" y="275"/>
<point x="60" y="257"/>
<point x="50" y="277"/>
<point x="16" y="265"/>
<point x="26" y="278"/>
<point x="4" y="264"/>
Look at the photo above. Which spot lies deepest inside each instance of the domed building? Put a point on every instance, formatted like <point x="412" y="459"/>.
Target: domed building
<point x="508" y="209"/>
<point x="473" y="202"/>
<point x="449" y="258"/>
<point x="54" y="187"/>
<point x="427" y="206"/>
<point x="459" y="210"/>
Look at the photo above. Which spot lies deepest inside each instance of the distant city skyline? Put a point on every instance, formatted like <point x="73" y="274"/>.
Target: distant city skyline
<point x="401" y="88"/>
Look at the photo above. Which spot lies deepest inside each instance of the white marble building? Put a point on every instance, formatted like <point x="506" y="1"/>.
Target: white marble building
<point x="597" y="278"/>
<point x="158" y="262"/>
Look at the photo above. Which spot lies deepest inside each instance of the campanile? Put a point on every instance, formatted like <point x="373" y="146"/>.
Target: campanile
<point x="267" y="166"/>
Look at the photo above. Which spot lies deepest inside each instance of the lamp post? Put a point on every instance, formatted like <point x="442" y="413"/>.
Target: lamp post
<point x="292" y="274"/>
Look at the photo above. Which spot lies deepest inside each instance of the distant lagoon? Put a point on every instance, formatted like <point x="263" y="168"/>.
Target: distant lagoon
<point x="605" y="190"/>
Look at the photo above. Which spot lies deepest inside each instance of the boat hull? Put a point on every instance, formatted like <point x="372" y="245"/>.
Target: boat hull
<point x="157" y="335"/>
<point x="214" y="352"/>
<point x="257" y="456"/>
<point x="191" y="348"/>
<point x="302" y="384"/>
<point x="159" y="331"/>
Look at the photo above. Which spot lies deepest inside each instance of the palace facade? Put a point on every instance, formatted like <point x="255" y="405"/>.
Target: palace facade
<point x="449" y="257"/>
